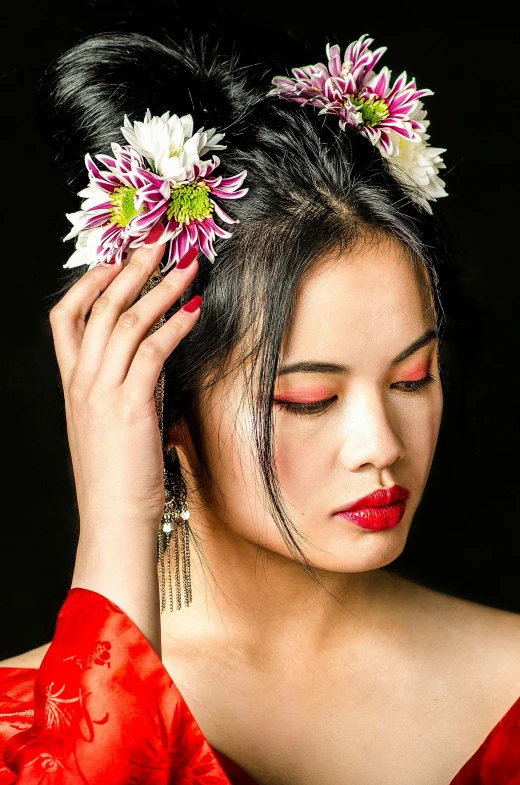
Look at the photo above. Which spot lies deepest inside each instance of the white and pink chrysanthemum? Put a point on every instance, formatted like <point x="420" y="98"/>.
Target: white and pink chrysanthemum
<point x="389" y="115"/>
<point x="105" y="226"/>
<point x="158" y="179"/>
<point x="417" y="164"/>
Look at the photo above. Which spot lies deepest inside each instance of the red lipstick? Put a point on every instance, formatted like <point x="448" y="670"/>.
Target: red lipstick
<point x="382" y="509"/>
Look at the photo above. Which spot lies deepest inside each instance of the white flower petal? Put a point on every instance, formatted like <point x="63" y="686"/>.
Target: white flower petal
<point x="92" y="203"/>
<point x="187" y="124"/>
<point x="91" y="191"/>
<point x="77" y="259"/>
<point x="86" y="246"/>
<point x="169" y="144"/>
<point x="210" y="141"/>
<point x="416" y="164"/>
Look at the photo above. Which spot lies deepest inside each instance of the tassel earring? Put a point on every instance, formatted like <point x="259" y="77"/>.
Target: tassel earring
<point x="174" y="524"/>
<point x="175" y="528"/>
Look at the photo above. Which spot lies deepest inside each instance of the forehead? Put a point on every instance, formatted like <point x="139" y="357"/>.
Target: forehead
<point x="373" y="298"/>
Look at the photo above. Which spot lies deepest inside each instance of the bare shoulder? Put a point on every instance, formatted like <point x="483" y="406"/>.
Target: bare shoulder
<point x="485" y="633"/>
<point x="471" y="616"/>
<point x="475" y="637"/>
<point x="29" y="659"/>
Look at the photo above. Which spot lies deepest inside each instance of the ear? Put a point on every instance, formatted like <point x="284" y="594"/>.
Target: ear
<point x="178" y="435"/>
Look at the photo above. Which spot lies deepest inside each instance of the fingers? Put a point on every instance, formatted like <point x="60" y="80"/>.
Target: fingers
<point x="133" y="325"/>
<point x="68" y="317"/>
<point x="107" y="309"/>
<point x="154" y="350"/>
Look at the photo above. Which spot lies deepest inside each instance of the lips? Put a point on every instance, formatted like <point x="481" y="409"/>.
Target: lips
<point x="382" y="509"/>
<point x="379" y="498"/>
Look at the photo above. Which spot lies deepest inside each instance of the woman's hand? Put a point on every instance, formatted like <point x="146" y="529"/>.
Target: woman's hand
<point x="109" y="368"/>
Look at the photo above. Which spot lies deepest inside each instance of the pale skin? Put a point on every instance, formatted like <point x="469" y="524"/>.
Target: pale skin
<point x="396" y="684"/>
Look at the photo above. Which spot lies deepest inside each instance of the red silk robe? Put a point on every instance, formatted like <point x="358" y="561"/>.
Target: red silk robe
<point x="102" y="710"/>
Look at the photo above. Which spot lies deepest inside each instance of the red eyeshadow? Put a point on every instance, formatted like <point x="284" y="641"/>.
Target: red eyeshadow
<point x="416" y="372"/>
<point x="302" y="396"/>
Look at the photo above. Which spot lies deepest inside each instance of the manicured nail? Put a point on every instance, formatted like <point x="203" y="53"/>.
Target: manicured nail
<point x="193" y="304"/>
<point x="154" y="234"/>
<point x="187" y="259"/>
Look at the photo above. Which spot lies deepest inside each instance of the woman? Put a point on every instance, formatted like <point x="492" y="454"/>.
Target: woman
<point x="307" y="380"/>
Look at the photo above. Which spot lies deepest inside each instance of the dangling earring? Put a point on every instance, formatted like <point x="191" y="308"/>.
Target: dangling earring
<point x="174" y="526"/>
<point x="174" y="523"/>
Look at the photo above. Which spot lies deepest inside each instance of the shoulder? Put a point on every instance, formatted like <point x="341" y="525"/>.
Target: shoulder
<point x="472" y="617"/>
<point x="478" y="635"/>
<point x="29" y="659"/>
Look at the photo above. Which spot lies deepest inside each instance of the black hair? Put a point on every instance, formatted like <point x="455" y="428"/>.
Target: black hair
<point x="313" y="189"/>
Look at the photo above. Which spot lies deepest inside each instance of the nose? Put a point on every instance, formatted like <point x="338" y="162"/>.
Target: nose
<point x="369" y="438"/>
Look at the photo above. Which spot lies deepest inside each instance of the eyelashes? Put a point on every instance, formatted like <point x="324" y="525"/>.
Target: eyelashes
<point x="305" y="409"/>
<point x="419" y="384"/>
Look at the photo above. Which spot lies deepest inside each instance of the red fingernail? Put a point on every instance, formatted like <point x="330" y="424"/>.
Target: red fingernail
<point x="193" y="304"/>
<point x="154" y="234"/>
<point x="187" y="259"/>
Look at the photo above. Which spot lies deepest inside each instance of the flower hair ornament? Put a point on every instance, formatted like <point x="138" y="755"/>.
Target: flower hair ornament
<point x="159" y="179"/>
<point x="390" y="116"/>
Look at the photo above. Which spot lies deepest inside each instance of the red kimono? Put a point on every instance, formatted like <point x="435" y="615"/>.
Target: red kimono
<point x="102" y="710"/>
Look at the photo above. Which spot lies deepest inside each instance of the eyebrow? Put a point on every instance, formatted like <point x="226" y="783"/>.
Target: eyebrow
<point x="308" y="366"/>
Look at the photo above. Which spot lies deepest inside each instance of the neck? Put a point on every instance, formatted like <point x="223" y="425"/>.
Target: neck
<point x="255" y="596"/>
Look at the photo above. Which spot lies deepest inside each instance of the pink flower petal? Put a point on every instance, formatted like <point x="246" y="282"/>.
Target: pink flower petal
<point x="381" y="85"/>
<point x="335" y="64"/>
<point x="372" y="133"/>
<point x="147" y="219"/>
<point x="223" y="215"/>
<point x="385" y="142"/>
<point x="374" y="59"/>
<point x="183" y="242"/>
<point x="193" y="232"/>
<point x="217" y="230"/>
<point x="106" y="160"/>
<point x="234" y="181"/>
<point x="207" y="246"/>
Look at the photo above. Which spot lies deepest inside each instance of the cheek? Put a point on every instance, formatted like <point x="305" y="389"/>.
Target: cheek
<point x="229" y="442"/>
<point x="242" y="500"/>
<point x="237" y="454"/>
<point x="431" y="435"/>
<point x="304" y="456"/>
<point x="421" y="431"/>
<point x="434" y="420"/>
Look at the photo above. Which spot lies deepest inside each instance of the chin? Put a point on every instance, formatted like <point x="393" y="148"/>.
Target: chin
<point x="370" y="550"/>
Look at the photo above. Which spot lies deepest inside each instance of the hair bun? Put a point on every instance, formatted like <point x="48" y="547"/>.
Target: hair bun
<point x="87" y="90"/>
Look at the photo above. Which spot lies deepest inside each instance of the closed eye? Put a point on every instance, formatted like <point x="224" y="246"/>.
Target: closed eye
<point x="318" y="407"/>
<point x="416" y="386"/>
<point x="306" y="408"/>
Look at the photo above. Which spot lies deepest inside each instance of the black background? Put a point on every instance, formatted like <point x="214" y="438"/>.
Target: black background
<point x="465" y="538"/>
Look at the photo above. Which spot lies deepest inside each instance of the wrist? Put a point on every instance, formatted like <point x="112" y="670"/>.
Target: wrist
<point x="113" y="523"/>
<point x="121" y="565"/>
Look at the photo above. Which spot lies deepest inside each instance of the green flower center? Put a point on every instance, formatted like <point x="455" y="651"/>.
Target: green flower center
<point x="373" y="110"/>
<point x="123" y="205"/>
<point x="189" y="202"/>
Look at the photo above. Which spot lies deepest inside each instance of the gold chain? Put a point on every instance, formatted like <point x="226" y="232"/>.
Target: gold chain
<point x="174" y="522"/>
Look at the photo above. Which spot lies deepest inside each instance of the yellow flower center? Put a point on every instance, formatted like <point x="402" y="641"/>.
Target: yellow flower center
<point x="123" y="206"/>
<point x="373" y="110"/>
<point x="190" y="201"/>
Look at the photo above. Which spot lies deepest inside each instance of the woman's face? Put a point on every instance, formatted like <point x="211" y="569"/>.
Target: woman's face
<point x="356" y="313"/>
